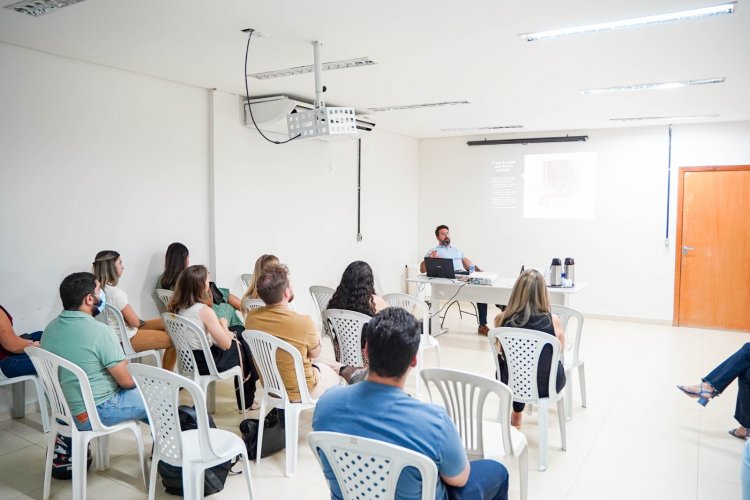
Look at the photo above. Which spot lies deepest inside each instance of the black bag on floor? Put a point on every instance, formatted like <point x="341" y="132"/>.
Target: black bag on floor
<point x="171" y="476"/>
<point x="274" y="434"/>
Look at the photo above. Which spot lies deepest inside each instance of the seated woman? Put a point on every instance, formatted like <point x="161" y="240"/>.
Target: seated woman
<point x="13" y="361"/>
<point x="143" y="335"/>
<point x="736" y="366"/>
<point x="528" y="307"/>
<point x="228" y="349"/>
<point x="224" y="304"/>
<point x="264" y="261"/>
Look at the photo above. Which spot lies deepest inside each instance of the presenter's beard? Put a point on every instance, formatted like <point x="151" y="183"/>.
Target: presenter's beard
<point x="446" y="242"/>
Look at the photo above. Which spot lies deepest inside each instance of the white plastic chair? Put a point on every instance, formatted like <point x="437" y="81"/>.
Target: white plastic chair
<point x="246" y="278"/>
<point x="420" y="310"/>
<point x="249" y="304"/>
<point x="19" y="396"/>
<point x="185" y="336"/>
<point x="117" y="323"/>
<point x="464" y="396"/>
<point x="164" y="295"/>
<point x="572" y="356"/>
<point x="321" y="296"/>
<point x="47" y="367"/>
<point x="264" y="348"/>
<point x="345" y="328"/>
<point x="193" y="450"/>
<point x="368" y="468"/>
<point x="522" y="349"/>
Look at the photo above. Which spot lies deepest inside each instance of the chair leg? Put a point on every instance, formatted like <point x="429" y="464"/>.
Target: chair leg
<point x="568" y="396"/>
<point x="43" y="410"/>
<point x="561" y="418"/>
<point x="152" y="475"/>
<point x="101" y="461"/>
<point x="437" y="354"/>
<point x="141" y="455"/>
<point x="48" y="462"/>
<point x="261" y="417"/>
<point x="582" y="380"/>
<point x="543" y="433"/>
<point x="523" y="473"/>
<point x="79" y="458"/>
<point x="242" y="395"/>
<point x="246" y="463"/>
<point x="291" y="421"/>
<point x="19" y="399"/>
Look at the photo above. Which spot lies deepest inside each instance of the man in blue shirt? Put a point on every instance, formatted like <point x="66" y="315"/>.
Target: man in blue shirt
<point x="378" y="408"/>
<point x="444" y="250"/>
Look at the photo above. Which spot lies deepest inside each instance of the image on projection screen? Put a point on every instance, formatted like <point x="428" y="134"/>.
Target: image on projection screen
<point x="559" y="186"/>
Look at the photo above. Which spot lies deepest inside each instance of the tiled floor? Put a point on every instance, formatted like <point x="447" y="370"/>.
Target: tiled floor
<point x="639" y="437"/>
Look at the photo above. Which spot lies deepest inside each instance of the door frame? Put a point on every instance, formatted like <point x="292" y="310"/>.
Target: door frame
<point x="678" y="237"/>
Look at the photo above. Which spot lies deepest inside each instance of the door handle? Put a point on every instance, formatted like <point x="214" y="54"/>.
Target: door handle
<point x="686" y="249"/>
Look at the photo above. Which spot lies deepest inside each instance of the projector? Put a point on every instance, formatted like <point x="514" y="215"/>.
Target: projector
<point x="482" y="278"/>
<point x="326" y="122"/>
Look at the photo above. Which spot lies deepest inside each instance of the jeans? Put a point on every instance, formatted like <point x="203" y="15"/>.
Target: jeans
<point x="736" y="366"/>
<point x="125" y="404"/>
<point x="19" y="364"/>
<point x="488" y="480"/>
<point x="482" y="313"/>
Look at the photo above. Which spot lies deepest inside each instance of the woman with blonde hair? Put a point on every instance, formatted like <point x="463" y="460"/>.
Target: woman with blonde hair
<point x="529" y="307"/>
<point x="264" y="262"/>
<point x="144" y="335"/>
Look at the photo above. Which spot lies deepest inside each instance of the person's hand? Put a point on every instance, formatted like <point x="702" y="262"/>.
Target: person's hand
<point x="433" y="254"/>
<point x="34" y="343"/>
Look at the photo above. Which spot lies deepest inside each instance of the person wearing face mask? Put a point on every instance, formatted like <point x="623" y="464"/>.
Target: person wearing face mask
<point x="144" y="335"/>
<point x="77" y="337"/>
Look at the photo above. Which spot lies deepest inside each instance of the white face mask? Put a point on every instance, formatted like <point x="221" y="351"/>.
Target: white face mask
<point x="99" y="308"/>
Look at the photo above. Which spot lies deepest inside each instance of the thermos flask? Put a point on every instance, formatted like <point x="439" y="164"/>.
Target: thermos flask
<point x="570" y="270"/>
<point x="555" y="273"/>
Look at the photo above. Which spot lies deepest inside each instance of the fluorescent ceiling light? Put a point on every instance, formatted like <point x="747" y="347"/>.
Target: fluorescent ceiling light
<point x="300" y="70"/>
<point x="418" y="106"/>
<point x="529" y="140"/>
<point x="464" y="129"/>
<point x="654" y="86"/>
<point x="672" y="17"/>
<point x="40" y="7"/>
<point x="642" y="118"/>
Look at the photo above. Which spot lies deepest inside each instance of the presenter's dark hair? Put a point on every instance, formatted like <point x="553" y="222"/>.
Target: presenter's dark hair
<point x="175" y="261"/>
<point x="392" y="338"/>
<point x="441" y="226"/>
<point x="74" y="289"/>
<point x="272" y="282"/>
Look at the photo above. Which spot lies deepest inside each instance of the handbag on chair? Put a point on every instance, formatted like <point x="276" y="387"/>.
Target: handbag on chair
<point x="274" y="434"/>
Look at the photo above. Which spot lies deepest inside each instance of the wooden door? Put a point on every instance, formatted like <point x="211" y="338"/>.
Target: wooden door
<point x="712" y="265"/>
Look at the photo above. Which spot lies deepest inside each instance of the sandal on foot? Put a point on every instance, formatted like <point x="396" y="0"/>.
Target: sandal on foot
<point x="703" y="395"/>
<point x="734" y="433"/>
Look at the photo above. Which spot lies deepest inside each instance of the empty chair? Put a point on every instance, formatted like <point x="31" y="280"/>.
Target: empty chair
<point x="572" y="356"/>
<point x="420" y="310"/>
<point x="522" y="349"/>
<point x="193" y="450"/>
<point x="181" y="331"/>
<point x="249" y="304"/>
<point x="264" y="348"/>
<point x="321" y="295"/>
<point x="345" y="328"/>
<point x="19" y="396"/>
<point x="117" y="323"/>
<point x="246" y="278"/>
<point x="368" y="468"/>
<point x="164" y="295"/>
<point x="47" y="366"/>
<point x="464" y="396"/>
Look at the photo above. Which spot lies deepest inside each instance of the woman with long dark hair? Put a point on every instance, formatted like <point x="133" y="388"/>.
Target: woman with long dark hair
<point x="356" y="291"/>
<point x="176" y="260"/>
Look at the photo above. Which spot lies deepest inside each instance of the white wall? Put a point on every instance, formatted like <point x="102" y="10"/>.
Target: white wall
<point x="299" y="202"/>
<point x="621" y="252"/>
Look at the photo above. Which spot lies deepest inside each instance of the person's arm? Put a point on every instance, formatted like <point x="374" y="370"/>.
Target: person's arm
<point x="235" y="302"/>
<point x="217" y="328"/>
<point x="466" y="262"/>
<point x="130" y="317"/>
<point x="423" y="267"/>
<point x="559" y="331"/>
<point x="8" y="338"/>
<point x="459" y="480"/>
<point x="121" y="375"/>
<point x="379" y="302"/>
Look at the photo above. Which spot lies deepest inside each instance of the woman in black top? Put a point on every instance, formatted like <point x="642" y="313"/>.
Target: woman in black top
<point x="529" y="308"/>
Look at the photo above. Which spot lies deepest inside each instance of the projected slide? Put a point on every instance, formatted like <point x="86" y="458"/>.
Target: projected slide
<point x="559" y="186"/>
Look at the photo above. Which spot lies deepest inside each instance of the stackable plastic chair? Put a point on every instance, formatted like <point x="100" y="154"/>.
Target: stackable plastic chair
<point x="420" y="310"/>
<point x="368" y="468"/>
<point x="321" y="296"/>
<point x="246" y="278"/>
<point x="117" y="323"/>
<point x="345" y="328"/>
<point x="464" y="396"/>
<point x="572" y="356"/>
<point x="522" y="349"/>
<point x="185" y="334"/>
<point x="193" y="450"/>
<point x="47" y="367"/>
<point x="264" y="348"/>
<point x="249" y="304"/>
<point x="19" y="396"/>
<point x="164" y="295"/>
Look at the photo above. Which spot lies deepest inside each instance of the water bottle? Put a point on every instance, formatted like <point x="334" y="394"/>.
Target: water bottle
<point x="471" y="268"/>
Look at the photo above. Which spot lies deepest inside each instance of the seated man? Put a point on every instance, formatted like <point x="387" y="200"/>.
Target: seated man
<point x="77" y="337"/>
<point x="277" y="319"/>
<point x="444" y="250"/>
<point x="378" y="408"/>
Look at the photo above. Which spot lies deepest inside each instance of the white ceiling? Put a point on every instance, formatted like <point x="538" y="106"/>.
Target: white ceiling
<point x="426" y="50"/>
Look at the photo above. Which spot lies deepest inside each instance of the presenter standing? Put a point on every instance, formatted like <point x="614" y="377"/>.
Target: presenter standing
<point x="444" y="250"/>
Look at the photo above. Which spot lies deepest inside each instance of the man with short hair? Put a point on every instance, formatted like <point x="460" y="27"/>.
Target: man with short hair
<point x="378" y="408"/>
<point x="77" y="337"/>
<point x="461" y="263"/>
<point x="277" y="319"/>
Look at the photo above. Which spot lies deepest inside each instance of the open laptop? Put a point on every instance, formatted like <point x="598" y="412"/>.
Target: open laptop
<point x="440" y="268"/>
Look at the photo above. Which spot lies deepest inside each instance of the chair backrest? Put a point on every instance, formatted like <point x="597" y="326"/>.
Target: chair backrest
<point x="249" y="304"/>
<point x="117" y="323"/>
<point x="346" y="328"/>
<point x="161" y="393"/>
<point x="164" y="295"/>
<point x="522" y="349"/>
<point x="572" y="339"/>
<point x="187" y="336"/>
<point x="413" y="305"/>
<point x="48" y="366"/>
<point x="264" y="347"/>
<point x="464" y="396"/>
<point x="321" y="295"/>
<point x="367" y="468"/>
<point x="246" y="278"/>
